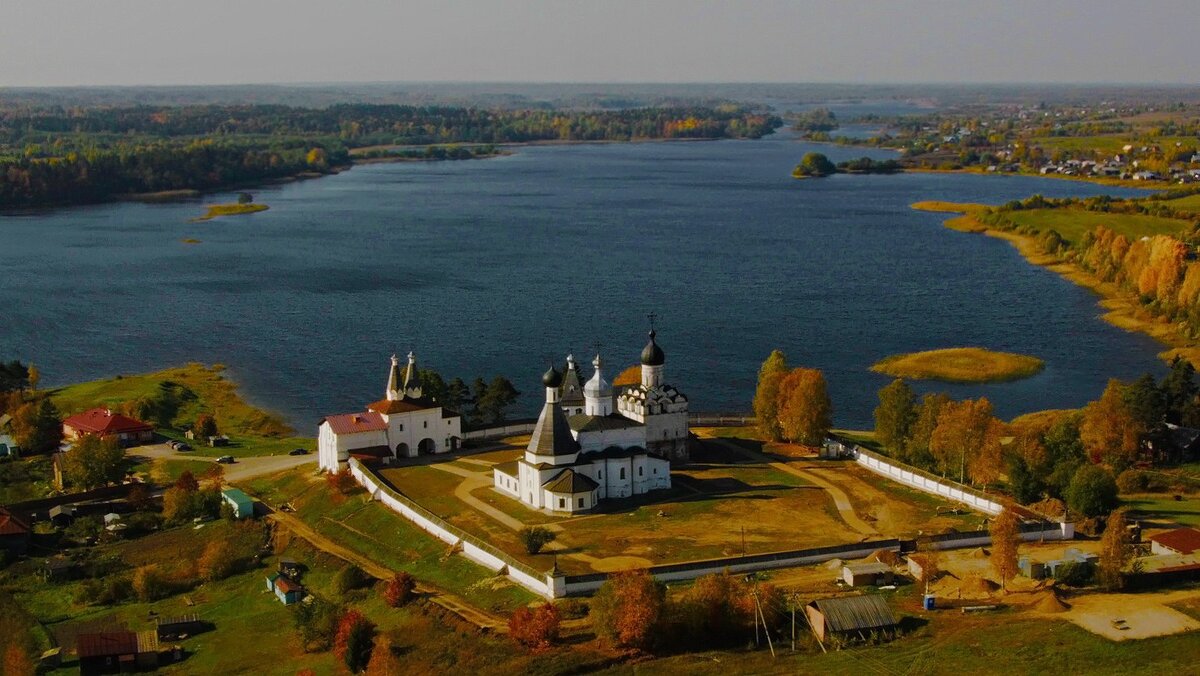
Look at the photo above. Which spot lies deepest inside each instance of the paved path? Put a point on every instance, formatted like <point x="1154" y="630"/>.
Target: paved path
<point x="444" y="599"/>
<point x="840" y="499"/>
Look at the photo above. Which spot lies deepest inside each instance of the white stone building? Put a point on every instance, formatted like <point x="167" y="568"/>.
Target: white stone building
<point x="401" y="425"/>
<point x="583" y="452"/>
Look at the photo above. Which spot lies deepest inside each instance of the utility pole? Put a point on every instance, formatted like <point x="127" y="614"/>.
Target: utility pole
<point x="766" y="630"/>
<point x="962" y="468"/>
<point x="743" y="541"/>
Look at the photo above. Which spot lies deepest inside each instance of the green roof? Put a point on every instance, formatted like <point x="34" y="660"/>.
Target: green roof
<point x="236" y="495"/>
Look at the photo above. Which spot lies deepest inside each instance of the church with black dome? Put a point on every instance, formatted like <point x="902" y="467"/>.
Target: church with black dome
<point x="594" y="442"/>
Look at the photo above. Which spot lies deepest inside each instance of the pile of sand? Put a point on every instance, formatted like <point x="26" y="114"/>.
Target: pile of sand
<point x="1049" y="507"/>
<point x="885" y="556"/>
<point x="978" y="553"/>
<point x="834" y="564"/>
<point x="1050" y="603"/>
<point x="975" y="585"/>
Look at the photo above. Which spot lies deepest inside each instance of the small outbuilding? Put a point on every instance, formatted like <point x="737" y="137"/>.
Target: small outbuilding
<point x="62" y="515"/>
<point x="865" y="574"/>
<point x="14" y="533"/>
<point x="1180" y="541"/>
<point x="243" y="505"/>
<point x="851" y="617"/>
<point x="285" y="589"/>
<point x="112" y="652"/>
<point x="172" y="628"/>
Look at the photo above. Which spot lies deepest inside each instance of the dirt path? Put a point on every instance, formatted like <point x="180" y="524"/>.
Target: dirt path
<point x="840" y="499"/>
<point x="444" y="599"/>
<point x="1140" y="615"/>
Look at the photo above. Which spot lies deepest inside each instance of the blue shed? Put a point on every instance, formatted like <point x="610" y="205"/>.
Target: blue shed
<point x="243" y="505"/>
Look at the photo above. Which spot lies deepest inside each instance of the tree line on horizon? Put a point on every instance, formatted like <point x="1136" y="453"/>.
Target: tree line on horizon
<point x="56" y="156"/>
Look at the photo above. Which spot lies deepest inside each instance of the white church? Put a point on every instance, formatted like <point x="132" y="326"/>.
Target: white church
<point x="403" y="424"/>
<point x="591" y="443"/>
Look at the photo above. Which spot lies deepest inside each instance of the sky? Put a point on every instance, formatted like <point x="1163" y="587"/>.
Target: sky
<point x="132" y="42"/>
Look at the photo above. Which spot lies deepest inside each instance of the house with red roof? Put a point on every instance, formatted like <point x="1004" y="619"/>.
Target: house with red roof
<point x="401" y="425"/>
<point x="1181" y="541"/>
<point x="104" y="422"/>
<point x="14" y="533"/>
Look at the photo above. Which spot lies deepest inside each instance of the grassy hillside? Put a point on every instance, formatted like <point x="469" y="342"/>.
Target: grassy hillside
<point x="188" y="391"/>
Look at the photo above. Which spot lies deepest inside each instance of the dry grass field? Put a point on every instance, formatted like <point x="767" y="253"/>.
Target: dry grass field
<point x="731" y="496"/>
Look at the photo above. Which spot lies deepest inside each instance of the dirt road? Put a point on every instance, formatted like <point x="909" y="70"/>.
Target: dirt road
<point x="840" y="499"/>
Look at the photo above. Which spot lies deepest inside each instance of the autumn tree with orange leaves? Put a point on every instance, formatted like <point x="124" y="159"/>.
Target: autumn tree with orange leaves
<point x="628" y="608"/>
<point x="1005" y="530"/>
<point x="966" y="441"/>
<point x="1109" y="430"/>
<point x="535" y="629"/>
<point x="804" y="409"/>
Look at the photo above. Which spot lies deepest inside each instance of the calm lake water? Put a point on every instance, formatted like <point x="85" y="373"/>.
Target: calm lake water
<point x="488" y="267"/>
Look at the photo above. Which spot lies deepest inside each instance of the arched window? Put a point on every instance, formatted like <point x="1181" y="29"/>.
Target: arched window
<point x="640" y="471"/>
<point x="622" y="473"/>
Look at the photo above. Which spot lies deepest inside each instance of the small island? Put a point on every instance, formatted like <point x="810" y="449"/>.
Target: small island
<point x="816" y="165"/>
<point x="244" y="205"/>
<point x="960" y="365"/>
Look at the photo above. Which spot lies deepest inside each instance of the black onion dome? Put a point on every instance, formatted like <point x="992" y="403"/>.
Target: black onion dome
<point x="652" y="354"/>
<point x="552" y="378"/>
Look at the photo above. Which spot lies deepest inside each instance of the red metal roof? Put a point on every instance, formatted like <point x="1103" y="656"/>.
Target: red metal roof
<point x="287" y="586"/>
<point x="1182" y="540"/>
<point x="107" y="643"/>
<point x="392" y="406"/>
<point x="353" y="423"/>
<point x="11" y="525"/>
<point x="104" y="422"/>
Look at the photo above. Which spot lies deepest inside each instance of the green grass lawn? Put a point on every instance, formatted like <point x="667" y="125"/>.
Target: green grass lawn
<point x="1107" y="144"/>
<point x="376" y="532"/>
<point x="1185" y="512"/>
<point x="1190" y="203"/>
<point x="1073" y="224"/>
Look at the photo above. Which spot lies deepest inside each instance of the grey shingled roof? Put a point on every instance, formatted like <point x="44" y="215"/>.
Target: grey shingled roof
<point x="552" y="435"/>
<point x="570" y="481"/>
<point x="582" y="422"/>
<point x="572" y="389"/>
<point x="855" y="613"/>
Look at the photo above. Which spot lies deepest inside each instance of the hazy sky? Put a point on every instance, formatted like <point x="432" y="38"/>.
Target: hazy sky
<point x="95" y="42"/>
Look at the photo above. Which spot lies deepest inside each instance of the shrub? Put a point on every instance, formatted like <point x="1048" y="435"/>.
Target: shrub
<point x="316" y="623"/>
<point x="1074" y="574"/>
<point x="150" y="584"/>
<point x="341" y="481"/>
<point x="400" y="589"/>
<point x="218" y="561"/>
<point x="535" y="630"/>
<point x="354" y="640"/>
<point x="572" y="608"/>
<point x="627" y="609"/>
<point x="535" y="537"/>
<point x="140" y="523"/>
<point x="349" y="578"/>
<point x="715" y="610"/>
<point x="1092" y="491"/>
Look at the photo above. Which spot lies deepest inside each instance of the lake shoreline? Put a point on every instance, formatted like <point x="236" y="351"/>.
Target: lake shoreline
<point x="1123" y="309"/>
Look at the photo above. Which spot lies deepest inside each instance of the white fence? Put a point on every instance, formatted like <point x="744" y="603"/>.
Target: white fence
<point x="927" y="483"/>
<point x="500" y="431"/>
<point x="477" y="551"/>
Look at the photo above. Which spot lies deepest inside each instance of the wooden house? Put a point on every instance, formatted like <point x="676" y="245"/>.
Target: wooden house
<point x="851" y="617"/>
<point x="113" y="652"/>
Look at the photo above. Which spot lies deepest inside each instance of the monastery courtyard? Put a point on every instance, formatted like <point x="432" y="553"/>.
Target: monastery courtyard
<point x="730" y="496"/>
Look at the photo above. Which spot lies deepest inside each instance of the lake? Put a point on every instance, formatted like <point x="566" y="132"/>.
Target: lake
<point x="491" y="267"/>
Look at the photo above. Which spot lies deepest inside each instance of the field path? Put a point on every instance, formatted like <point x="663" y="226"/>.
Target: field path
<point x="840" y="499"/>
<point x="444" y="599"/>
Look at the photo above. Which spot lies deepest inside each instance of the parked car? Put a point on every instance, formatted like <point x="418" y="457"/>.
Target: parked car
<point x="174" y="445"/>
<point x="298" y="451"/>
<point x="183" y="447"/>
<point x="226" y="460"/>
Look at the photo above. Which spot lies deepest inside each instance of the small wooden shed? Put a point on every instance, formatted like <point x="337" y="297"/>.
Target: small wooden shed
<point x="865" y="574"/>
<point x="852" y="616"/>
